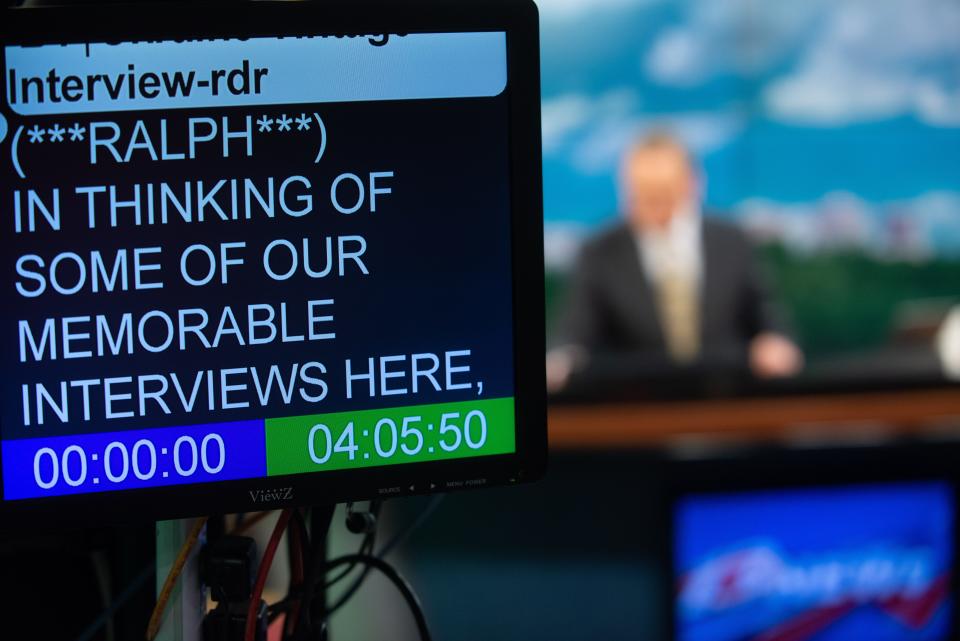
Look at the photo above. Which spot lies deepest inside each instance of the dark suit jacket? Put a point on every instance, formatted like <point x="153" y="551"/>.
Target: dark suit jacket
<point x="611" y="306"/>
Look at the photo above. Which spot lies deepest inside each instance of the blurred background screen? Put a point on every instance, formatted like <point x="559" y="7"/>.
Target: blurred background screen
<point x="829" y="564"/>
<point x="826" y="130"/>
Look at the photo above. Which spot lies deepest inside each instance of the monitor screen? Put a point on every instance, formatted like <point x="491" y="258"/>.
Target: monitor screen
<point x="816" y="564"/>
<point x="272" y="248"/>
<point x="797" y="118"/>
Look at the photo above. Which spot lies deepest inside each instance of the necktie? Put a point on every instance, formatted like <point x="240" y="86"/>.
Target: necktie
<point x="678" y="305"/>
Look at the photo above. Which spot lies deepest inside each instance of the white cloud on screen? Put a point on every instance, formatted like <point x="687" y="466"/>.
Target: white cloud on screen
<point x="727" y="36"/>
<point x="876" y="59"/>
<point x="678" y="58"/>
<point x="569" y="118"/>
<point x="937" y="105"/>
<point x="831" y="92"/>
<point x="856" y="60"/>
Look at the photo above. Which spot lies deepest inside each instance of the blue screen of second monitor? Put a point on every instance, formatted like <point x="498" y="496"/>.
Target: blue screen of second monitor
<point x="869" y="562"/>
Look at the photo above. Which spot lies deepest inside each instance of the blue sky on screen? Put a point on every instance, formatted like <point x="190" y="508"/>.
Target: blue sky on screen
<point x="819" y="123"/>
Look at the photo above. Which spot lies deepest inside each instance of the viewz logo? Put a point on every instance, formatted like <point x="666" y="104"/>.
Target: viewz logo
<point x="272" y="495"/>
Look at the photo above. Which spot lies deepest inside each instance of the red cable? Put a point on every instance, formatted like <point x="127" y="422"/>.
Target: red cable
<point x="268" y="553"/>
<point x="298" y="537"/>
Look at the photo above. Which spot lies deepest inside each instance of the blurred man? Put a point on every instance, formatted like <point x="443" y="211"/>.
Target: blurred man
<point x="669" y="282"/>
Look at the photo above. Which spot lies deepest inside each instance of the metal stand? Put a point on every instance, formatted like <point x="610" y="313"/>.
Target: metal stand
<point x="315" y="592"/>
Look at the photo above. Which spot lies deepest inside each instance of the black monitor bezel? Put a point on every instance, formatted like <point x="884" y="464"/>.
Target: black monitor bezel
<point x="150" y="21"/>
<point x="770" y="469"/>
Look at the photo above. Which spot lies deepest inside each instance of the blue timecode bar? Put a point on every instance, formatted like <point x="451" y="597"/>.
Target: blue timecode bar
<point x="54" y="466"/>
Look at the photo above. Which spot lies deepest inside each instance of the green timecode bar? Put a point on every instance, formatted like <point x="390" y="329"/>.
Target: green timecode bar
<point x="391" y="436"/>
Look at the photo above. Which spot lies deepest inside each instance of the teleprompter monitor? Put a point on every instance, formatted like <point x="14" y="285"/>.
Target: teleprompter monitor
<point x="267" y="254"/>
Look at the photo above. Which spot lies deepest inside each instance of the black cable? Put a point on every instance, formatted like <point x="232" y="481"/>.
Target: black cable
<point x="286" y="603"/>
<point x="366" y="551"/>
<point x="303" y="594"/>
<point x="401" y="584"/>
<point x="348" y="594"/>
<point x="398" y="539"/>
<point x="366" y="546"/>
<point x="320" y="517"/>
<point x="357" y="583"/>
